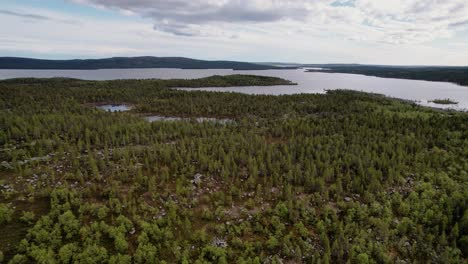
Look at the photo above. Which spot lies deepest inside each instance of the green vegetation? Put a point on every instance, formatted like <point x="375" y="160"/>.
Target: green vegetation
<point x="5" y="214"/>
<point x="444" y="101"/>
<point x="229" y="81"/>
<point x="345" y="177"/>
<point x="457" y="75"/>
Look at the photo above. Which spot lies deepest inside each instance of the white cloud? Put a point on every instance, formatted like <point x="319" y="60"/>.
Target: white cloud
<point x="414" y="21"/>
<point x="395" y="21"/>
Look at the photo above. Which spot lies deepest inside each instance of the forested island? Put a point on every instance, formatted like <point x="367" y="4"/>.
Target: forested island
<point x="457" y="75"/>
<point x="342" y="177"/>
<point x="227" y="81"/>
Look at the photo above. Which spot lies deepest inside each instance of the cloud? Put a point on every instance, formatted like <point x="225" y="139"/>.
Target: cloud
<point x="413" y="21"/>
<point x="183" y="17"/>
<point x="30" y="16"/>
<point x="463" y="23"/>
<point x="177" y="29"/>
<point x="395" y="22"/>
<point x="36" y="17"/>
<point x="364" y="31"/>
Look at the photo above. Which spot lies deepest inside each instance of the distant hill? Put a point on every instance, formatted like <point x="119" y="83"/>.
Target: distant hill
<point x="128" y="62"/>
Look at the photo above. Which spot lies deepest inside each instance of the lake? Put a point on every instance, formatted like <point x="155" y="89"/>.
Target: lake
<point x="308" y="82"/>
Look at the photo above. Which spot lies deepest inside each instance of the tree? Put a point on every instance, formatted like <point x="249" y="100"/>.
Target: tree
<point x="213" y="254"/>
<point x="19" y="259"/>
<point x="120" y="243"/>
<point x="146" y="253"/>
<point x="67" y="252"/>
<point x="120" y="259"/>
<point x="92" y="254"/>
<point x="28" y="217"/>
<point x="6" y="214"/>
<point x="362" y="258"/>
<point x="69" y="223"/>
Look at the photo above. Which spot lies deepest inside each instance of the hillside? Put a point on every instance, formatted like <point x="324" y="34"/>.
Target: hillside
<point x="127" y="62"/>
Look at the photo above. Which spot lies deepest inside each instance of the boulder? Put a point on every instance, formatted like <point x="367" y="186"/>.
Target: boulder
<point x="197" y="179"/>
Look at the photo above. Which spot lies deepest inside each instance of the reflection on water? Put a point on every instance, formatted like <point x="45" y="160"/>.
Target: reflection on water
<point x="308" y="82"/>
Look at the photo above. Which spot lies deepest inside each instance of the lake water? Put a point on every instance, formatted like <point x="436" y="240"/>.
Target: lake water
<point x="308" y="82"/>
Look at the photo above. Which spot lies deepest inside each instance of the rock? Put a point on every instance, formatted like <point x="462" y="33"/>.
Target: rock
<point x="348" y="199"/>
<point x="197" y="179"/>
<point x="218" y="242"/>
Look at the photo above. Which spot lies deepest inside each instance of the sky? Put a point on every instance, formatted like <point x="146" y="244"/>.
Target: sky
<point x="397" y="32"/>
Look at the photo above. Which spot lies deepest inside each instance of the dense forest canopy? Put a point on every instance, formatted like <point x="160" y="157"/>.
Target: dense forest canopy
<point x="342" y="177"/>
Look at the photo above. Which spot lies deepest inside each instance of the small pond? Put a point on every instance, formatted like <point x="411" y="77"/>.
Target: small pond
<point x="115" y="107"/>
<point x="156" y="118"/>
